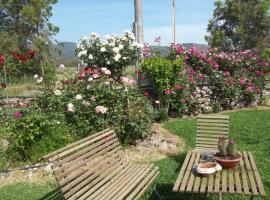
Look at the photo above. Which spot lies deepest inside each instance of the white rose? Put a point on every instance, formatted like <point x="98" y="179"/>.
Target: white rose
<point x="78" y="97"/>
<point x="102" y="49"/>
<point x="82" y="53"/>
<point x="86" y="103"/>
<point x="116" y="50"/>
<point x="90" y="79"/>
<point x="39" y="80"/>
<point x="57" y="92"/>
<point x="117" y="57"/>
<point x="61" y="66"/>
<point x="121" y="46"/>
<point x="90" y="56"/>
<point x="70" y="107"/>
<point x="36" y="76"/>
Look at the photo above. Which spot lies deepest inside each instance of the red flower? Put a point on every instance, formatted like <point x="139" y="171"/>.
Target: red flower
<point x="16" y="55"/>
<point x="177" y="87"/>
<point x="82" y="76"/>
<point x="146" y="94"/>
<point x="167" y="91"/>
<point x="66" y="82"/>
<point x="31" y="54"/>
<point x="1" y="59"/>
<point x="23" y="58"/>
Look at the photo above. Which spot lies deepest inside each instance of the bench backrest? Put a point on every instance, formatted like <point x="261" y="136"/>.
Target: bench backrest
<point x="209" y="129"/>
<point x="79" y="165"/>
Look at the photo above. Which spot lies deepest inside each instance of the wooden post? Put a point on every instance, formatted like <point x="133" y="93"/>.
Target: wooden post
<point x="174" y="21"/>
<point x="138" y="21"/>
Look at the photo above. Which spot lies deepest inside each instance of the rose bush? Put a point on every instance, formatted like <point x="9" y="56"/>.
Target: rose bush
<point x="114" y="53"/>
<point x="213" y="80"/>
<point x="93" y="101"/>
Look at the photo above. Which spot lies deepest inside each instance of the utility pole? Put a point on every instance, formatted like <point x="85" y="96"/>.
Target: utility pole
<point x="174" y="21"/>
<point x="138" y="21"/>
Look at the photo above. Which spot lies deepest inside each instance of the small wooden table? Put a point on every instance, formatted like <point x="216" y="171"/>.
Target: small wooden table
<point x="244" y="179"/>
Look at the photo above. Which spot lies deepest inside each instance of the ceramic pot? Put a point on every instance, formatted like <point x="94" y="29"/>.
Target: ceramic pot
<point x="228" y="162"/>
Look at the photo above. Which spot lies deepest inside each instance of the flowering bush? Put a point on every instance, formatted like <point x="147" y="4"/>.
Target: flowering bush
<point x="93" y="101"/>
<point x="16" y="66"/>
<point x="114" y="53"/>
<point x="231" y="78"/>
<point x="168" y="83"/>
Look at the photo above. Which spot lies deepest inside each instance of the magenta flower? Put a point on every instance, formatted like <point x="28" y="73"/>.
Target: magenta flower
<point x="241" y="81"/>
<point x="227" y="73"/>
<point x="201" y="76"/>
<point x="191" y="71"/>
<point x="17" y="115"/>
<point x="216" y="66"/>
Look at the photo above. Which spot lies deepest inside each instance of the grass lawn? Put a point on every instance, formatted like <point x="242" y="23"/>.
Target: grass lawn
<point x="250" y="129"/>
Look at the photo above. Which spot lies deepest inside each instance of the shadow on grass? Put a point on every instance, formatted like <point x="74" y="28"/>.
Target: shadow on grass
<point x="53" y="195"/>
<point x="163" y="189"/>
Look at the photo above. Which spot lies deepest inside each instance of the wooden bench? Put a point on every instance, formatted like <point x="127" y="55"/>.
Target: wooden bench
<point x="96" y="168"/>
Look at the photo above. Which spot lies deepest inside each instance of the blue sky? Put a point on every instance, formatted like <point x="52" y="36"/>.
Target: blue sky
<point x="78" y="18"/>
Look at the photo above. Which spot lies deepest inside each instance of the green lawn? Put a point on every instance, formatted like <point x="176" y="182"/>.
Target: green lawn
<point x="250" y="129"/>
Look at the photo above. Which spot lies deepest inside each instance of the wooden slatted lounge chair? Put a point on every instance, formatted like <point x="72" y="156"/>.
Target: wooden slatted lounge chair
<point x="209" y="129"/>
<point x="96" y="168"/>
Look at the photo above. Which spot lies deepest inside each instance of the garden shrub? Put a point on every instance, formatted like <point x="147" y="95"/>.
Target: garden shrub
<point x="34" y="134"/>
<point x="168" y="83"/>
<point x="233" y="79"/>
<point x="99" y="96"/>
<point x="90" y="104"/>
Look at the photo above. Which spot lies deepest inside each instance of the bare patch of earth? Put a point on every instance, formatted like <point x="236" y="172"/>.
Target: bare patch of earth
<point x="156" y="147"/>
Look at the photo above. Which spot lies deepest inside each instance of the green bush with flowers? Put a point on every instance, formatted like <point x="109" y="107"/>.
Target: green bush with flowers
<point x="224" y="80"/>
<point x="99" y="96"/>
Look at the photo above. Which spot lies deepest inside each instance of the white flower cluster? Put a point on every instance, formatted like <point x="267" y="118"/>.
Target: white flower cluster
<point x="38" y="78"/>
<point x="113" y="50"/>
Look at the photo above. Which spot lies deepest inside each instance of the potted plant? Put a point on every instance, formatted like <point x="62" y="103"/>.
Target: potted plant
<point x="227" y="156"/>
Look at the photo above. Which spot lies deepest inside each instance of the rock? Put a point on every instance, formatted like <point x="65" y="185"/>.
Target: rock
<point x="202" y="100"/>
<point x="48" y="168"/>
<point x="163" y="147"/>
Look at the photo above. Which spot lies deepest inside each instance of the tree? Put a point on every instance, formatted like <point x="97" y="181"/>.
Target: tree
<point x="239" y="25"/>
<point x="27" y="21"/>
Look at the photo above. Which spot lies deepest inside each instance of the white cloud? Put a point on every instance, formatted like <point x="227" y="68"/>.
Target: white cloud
<point x="192" y="33"/>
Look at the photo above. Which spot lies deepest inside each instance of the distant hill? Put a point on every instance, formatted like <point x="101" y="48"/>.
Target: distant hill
<point x="68" y="49"/>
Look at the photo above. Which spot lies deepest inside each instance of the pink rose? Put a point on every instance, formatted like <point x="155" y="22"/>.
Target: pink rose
<point x="17" y="115"/>
<point x="101" y="109"/>
<point x="168" y="91"/>
<point x="241" y="81"/>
